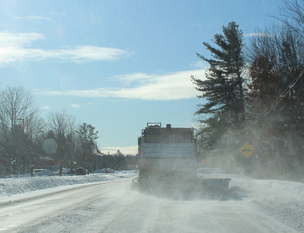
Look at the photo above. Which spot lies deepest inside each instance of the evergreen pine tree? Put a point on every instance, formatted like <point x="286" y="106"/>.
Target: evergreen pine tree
<point x="223" y="87"/>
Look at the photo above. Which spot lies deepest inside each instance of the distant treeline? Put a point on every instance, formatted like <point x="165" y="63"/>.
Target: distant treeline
<point x="29" y="141"/>
<point x="117" y="162"/>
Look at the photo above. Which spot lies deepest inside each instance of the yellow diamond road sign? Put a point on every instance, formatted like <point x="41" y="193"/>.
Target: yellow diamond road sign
<point x="247" y="150"/>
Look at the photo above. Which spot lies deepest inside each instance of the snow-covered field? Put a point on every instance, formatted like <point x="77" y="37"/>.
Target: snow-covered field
<point x="281" y="200"/>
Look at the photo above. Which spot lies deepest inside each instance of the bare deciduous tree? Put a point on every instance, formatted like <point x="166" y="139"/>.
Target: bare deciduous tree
<point x="19" y="121"/>
<point x="292" y="15"/>
<point x="62" y="128"/>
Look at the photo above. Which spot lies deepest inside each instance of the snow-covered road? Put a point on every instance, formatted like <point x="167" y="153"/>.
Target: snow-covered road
<point x="265" y="206"/>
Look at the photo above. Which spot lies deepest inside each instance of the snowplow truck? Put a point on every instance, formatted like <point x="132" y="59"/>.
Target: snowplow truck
<point x="168" y="162"/>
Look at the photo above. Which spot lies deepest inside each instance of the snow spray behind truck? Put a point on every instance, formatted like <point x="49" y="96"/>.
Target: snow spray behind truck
<point x="168" y="162"/>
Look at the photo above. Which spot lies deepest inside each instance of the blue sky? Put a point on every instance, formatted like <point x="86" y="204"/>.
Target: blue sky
<point x="118" y="64"/>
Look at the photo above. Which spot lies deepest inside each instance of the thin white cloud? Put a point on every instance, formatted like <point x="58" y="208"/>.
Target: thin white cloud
<point x="200" y="64"/>
<point x="140" y="78"/>
<point x="257" y="34"/>
<point x="33" y="17"/>
<point x="88" y="53"/>
<point x="18" y="40"/>
<point x="45" y="107"/>
<point x="171" y="86"/>
<point x="17" y="47"/>
<point x="75" y="106"/>
<point x="100" y="92"/>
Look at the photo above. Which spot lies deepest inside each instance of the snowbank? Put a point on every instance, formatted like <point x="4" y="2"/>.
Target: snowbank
<point x="270" y="188"/>
<point x="283" y="200"/>
<point x="17" y="185"/>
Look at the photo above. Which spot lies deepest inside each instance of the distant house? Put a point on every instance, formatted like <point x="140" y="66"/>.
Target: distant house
<point x="47" y="163"/>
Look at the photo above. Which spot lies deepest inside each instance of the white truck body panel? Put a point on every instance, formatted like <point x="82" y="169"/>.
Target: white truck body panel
<point x="168" y="156"/>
